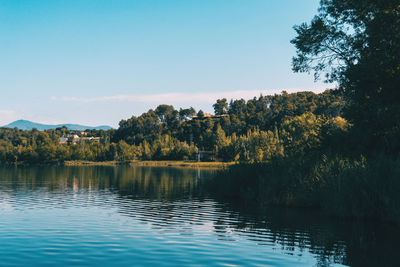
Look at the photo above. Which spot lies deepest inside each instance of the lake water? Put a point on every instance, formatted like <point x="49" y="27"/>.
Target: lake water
<point x="141" y="216"/>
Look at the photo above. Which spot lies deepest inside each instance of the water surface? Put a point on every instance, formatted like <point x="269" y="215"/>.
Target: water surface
<point x="165" y="216"/>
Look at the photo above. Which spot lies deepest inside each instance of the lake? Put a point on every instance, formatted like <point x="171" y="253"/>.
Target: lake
<point x="124" y="216"/>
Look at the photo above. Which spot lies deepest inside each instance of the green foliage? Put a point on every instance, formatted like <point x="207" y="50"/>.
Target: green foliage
<point x="258" y="130"/>
<point x="357" y="44"/>
<point x="186" y="114"/>
<point x="302" y="133"/>
<point x="264" y="114"/>
<point x="221" y="106"/>
<point x="259" y="146"/>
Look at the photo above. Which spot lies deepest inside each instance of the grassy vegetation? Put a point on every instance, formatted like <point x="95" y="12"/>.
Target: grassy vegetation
<point x="172" y="163"/>
<point x="164" y="163"/>
<point x="357" y="188"/>
<point x="91" y="163"/>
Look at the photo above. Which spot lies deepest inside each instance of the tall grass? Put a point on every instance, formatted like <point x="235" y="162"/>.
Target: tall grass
<point x="336" y="185"/>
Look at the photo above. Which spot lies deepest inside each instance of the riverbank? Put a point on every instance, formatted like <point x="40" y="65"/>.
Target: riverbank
<point x="91" y="163"/>
<point x="164" y="163"/>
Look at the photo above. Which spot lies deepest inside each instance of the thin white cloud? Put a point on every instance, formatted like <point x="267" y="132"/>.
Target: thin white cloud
<point x="206" y="97"/>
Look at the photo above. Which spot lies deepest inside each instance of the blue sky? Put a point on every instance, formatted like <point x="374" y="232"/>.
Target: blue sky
<point x="96" y="62"/>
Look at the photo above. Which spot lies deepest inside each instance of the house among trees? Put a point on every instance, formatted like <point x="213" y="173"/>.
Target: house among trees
<point x="92" y="139"/>
<point x="63" y="140"/>
<point x="69" y="139"/>
<point x="202" y="115"/>
<point x="74" y="139"/>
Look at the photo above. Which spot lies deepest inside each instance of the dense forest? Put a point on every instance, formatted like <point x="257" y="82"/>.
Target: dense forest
<point x="256" y="130"/>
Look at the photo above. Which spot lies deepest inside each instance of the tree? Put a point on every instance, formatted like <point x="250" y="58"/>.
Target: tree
<point x="187" y="113"/>
<point x="125" y="151"/>
<point x="200" y="114"/>
<point x="219" y="138"/>
<point x="164" y="111"/>
<point x="357" y="45"/>
<point x="302" y="133"/>
<point x="221" y="106"/>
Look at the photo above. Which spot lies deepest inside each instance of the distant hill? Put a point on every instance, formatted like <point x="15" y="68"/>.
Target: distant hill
<point x="28" y="125"/>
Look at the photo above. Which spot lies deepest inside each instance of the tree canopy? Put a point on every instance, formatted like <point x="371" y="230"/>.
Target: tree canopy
<point x="357" y="45"/>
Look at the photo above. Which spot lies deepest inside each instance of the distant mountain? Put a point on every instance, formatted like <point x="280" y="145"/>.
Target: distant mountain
<point x="28" y="125"/>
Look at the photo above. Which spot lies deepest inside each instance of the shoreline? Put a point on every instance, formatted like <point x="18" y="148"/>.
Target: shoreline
<point x="151" y="163"/>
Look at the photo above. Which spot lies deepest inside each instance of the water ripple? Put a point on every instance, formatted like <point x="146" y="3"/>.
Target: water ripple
<point x="145" y="216"/>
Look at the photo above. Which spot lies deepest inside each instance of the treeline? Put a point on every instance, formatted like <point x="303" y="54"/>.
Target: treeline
<point x="256" y="130"/>
<point x="246" y="131"/>
<point x="33" y="146"/>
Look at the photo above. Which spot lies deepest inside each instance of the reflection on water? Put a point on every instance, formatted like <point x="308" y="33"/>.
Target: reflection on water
<point x="164" y="216"/>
